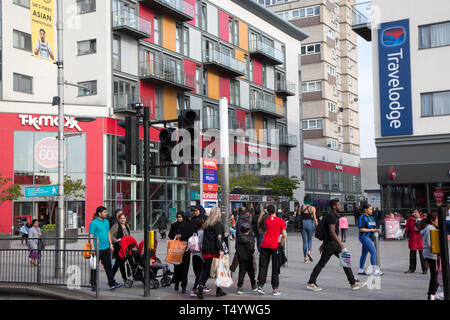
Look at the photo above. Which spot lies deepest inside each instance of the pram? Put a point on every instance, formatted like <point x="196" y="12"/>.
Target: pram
<point x="156" y="265"/>
<point x="133" y="260"/>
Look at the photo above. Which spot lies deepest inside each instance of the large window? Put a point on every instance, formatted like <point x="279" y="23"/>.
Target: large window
<point x="22" y="40"/>
<point x="90" y="88"/>
<point x="233" y="31"/>
<point x="205" y="82"/>
<point x="235" y="92"/>
<point x="311" y="86"/>
<point x="435" y="35"/>
<point x="159" y="109"/>
<point x="157" y="30"/>
<point x="311" y="48"/>
<point x="87" y="47"/>
<point x="86" y="6"/>
<point x="23" y="83"/>
<point x="182" y="40"/>
<point x="435" y="104"/>
<point x="116" y="53"/>
<point x="312" y="124"/>
<point x="125" y="93"/>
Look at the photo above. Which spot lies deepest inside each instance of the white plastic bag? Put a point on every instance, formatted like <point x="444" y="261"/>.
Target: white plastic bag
<point x="223" y="278"/>
<point x="194" y="244"/>
<point x="345" y="259"/>
<point x="93" y="262"/>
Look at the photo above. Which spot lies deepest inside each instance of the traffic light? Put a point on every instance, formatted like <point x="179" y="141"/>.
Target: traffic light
<point x="130" y="140"/>
<point x="166" y="144"/>
<point x="186" y="121"/>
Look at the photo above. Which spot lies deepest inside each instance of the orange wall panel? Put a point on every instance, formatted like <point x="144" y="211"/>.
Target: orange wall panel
<point x="258" y="125"/>
<point x="239" y="54"/>
<point x="243" y="35"/>
<point x="213" y="85"/>
<point x="169" y="33"/>
<point x="170" y="104"/>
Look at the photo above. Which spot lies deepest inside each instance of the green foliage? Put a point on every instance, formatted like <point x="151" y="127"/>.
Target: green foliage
<point x="246" y="182"/>
<point x="282" y="186"/>
<point x="48" y="227"/>
<point x="9" y="193"/>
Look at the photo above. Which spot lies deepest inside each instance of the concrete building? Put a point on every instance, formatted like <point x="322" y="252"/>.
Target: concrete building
<point x="169" y="55"/>
<point x="369" y="182"/>
<point x="411" y="45"/>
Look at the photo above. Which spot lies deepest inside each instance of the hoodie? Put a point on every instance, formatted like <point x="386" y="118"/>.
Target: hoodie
<point x="426" y="236"/>
<point x="196" y="221"/>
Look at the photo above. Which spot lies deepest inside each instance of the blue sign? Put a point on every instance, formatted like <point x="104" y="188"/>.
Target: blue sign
<point x="210" y="176"/>
<point x="210" y="204"/>
<point x="395" y="78"/>
<point x="195" y="196"/>
<point x="41" y="191"/>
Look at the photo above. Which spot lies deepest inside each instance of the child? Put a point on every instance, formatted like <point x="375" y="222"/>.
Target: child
<point x="343" y="226"/>
<point x="245" y="248"/>
<point x="24" y="231"/>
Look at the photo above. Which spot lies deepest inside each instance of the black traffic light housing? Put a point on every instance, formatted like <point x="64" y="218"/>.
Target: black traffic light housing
<point x="166" y="144"/>
<point x="130" y="140"/>
<point x="186" y="121"/>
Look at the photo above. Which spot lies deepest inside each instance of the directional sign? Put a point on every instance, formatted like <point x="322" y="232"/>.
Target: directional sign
<point x="41" y="191"/>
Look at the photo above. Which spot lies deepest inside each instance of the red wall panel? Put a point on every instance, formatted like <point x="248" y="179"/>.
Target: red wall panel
<point x="257" y="72"/>
<point x="224" y="87"/>
<point x="192" y="2"/>
<point x="149" y="14"/>
<point x="190" y="68"/>
<point x="148" y="90"/>
<point x="240" y="115"/>
<point x="223" y="26"/>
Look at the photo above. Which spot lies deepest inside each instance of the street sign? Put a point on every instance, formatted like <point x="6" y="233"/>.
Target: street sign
<point x="41" y="191"/>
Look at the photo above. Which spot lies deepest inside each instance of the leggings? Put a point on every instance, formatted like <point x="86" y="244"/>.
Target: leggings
<point x="307" y="235"/>
<point x="433" y="284"/>
<point x="367" y="246"/>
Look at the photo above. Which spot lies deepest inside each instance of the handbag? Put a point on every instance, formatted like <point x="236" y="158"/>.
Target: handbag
<point x="223" y="279"/>
<point x="175" y="251"/>
<point x="215" y="264"/>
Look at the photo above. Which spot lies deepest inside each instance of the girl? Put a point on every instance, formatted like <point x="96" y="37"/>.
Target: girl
<point x="367" y="228"/>
<point x="431" y="223"/>
<point x="308" y="222"/>
<point x="343" y="227"/>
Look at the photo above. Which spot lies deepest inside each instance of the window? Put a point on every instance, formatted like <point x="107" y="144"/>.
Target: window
<point x="352" y="149"/>
<point x="435" y="104"/>
<point x="310" y="48"/>
<point x="333" y="144"/>
<point x="285" y="15"/>
<point x="21" y="40"/>
<point x="125" y="93"/>
<point x="90" y="88"/>
<point x="264" y="75"/>
<point x="350" y="82"/>
<point x="233" y="32"/>
<point x="348" y="29"/>
<point x="351" y="132"/>
<point x="198" y="80"/>
<point x="197" y="13"/>
<point x="251" y="70"/>
<point x="23" y="3"/>
<point x="204" y="17"/>
<point x="157" y="30"/>
<point x="349" y="63"/>
<point x="87" y="47"/>
<point x="182" y="40"/>
<point x="86" y="6"/>
<point x="312" y="86"/>
<point x="312" y="124"/>
<point x="23" y="83"/>
<point x="178" y="37"/>
<point x="116" y="53"/>
<point x="332" y="106"/>
<point x="205" y="82"/>
<point x="210" y="117"/>
<point x="185" y="41"/>
<point x="159" y="110"/>
<point x="340" y="147"/>
<point x="350" y="114"/>
<point x="340" y="131"/>
<point x="331" y="70"/>
<point x="305" y="12"/>
<point x="330" y="33"/>
<point x="435" y="35"/>
<point x="235" y="92"/>
<point x="348" y="12"/>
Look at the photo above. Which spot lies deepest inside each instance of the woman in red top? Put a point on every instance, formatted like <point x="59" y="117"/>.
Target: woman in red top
<point x="415" y="242"/>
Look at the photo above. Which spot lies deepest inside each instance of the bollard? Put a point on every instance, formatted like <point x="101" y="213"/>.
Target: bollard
<point x="377" y="247"/>
<point x="151" y="240"/>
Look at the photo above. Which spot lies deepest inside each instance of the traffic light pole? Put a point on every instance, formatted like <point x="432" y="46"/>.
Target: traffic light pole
<point x="146" y="201"/>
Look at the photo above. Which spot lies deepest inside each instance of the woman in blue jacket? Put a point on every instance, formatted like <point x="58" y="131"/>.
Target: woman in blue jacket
<point x="367" y="230"/>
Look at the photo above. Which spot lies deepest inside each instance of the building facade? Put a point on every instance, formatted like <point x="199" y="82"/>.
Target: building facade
<point x="168" y="55"/>
<point x="411" y="100"/>
<point x="369" y="182"/>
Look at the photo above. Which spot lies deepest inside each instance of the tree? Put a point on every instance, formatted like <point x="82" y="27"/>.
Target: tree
<point x="283" y="186"/>
<point x="8" y="193"/>
<point x="246" y="182"/>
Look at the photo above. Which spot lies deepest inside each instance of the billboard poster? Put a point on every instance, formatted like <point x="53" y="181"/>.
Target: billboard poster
<point x="393" y="230"/>
<point x="209" y="187"/>
<point x="42" y="28"/>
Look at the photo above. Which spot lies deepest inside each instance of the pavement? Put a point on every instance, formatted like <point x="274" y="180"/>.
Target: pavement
<point x="393" y="285"/>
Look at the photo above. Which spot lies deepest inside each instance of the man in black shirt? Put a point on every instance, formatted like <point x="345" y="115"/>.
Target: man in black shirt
<point x="332" y="246"/>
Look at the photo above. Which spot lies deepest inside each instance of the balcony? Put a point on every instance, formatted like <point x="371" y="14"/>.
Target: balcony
<point x="285" y="88"/>
<point x="224" y="63"/>
<point x="263" y="51"/>
<point x="165" y="75"/>
<point x="235" y="125"/>
<point x="131" y="24"/>
<point x="179" y="9"/>
<point x="288" y="140"/>
<point x="122" y="103"/>
<point x="361" y="22"/>
<point x="269" y="108"/>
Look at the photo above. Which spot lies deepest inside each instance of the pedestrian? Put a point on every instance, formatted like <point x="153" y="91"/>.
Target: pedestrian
<point x="245" y="248"/>
<point x="34" y="235"/>
<point x="254" y="225"/>
<point x="331" y="246"/>
<point x="181" y="230"/>
<point x="212" y="247"/>
<point x="356" y="214"/>
<point x="367" y="230"/>
<point x="42" y="221"/>
<point x="99" y="229"/>
<point x="118" y="231"/>
<point x="378" y="217"/>
<point x="261" y="227"/>
<point x="198" y="216"/>
<point x="431" y="223"/>
<point x="198" y="263"/>
<point x="244" y="217"/>
<point x="308" y="222"/>
<point x="343" y="227"/>
<point x="114" y="219"/>
<point x="24" y="231"/>
<point x="232" y="227"/>
<point x="269" y="246"/>
<point x="415" y="242"/>
<point x="162" y="225"/>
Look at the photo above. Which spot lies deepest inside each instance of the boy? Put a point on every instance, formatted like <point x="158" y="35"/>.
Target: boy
<point x="245" y="248"/>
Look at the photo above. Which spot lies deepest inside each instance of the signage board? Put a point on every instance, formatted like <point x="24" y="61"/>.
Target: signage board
<point x="41" y="191"/>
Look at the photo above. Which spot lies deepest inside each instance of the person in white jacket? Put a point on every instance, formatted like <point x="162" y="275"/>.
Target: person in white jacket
<point x="430" y="223"/>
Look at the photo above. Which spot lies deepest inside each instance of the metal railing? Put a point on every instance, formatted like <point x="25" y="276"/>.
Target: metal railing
<point x="259" y="45"/>
<point x="124" y="18"/>
<point x="361" y="13"/>
<point x="288" y="139"/>
<point x="123" y="101"/>
<point x="215" y="56"/>
<point x="180" y="5"/>
<point x="164" y="72"/>
<point x="286" y="86"/>
<point x="259" y="104"/>
<point x="35" y="264"/>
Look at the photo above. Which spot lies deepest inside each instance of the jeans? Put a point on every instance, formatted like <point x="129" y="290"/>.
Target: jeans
<point x="258" y="241"/>
<point x="197" y="265"/>
<point x="367" y="246"/>
<point x="180" y="273"/>
<point x="307" y="235"/>
<point x="344" y="234"/>
<point x="434" y="284"/>
<point x="264" y="258"/>
<point x="413" y="260"/>
<point x="105" y="258"/>
<point x="329" y="249"/>
<point x="246" y="266"/>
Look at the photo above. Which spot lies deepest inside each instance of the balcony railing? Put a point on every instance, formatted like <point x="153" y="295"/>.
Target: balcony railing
<point x="289" y="140"/>
<point x="122" y="102"/>
<point x="131" y="24"/>
<point x="361" y="20"/>
<point x="258" y="47"/>
<point x="285" y="87"/>
<point x="268" y="107"/>
<point x="166" y="74"/>
<point x="224" y="61"/>
<point x="180" y="9"/>
<point x="211" y="122"/>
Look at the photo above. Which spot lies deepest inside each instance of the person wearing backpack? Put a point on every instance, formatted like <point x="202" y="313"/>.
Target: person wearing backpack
<point x="245" y="248"/>
<point x="327" y="231"/>
<point x="24" y="231"/>
<point x="261" y="227"/>
<point x="308" y="222"/>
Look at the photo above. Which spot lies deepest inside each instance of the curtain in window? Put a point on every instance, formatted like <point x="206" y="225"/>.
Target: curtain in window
<point x="441" y="103"/>
<point x="424" y="37"/>
<point x="426" y="105"/>
<point x="440" y="34"/>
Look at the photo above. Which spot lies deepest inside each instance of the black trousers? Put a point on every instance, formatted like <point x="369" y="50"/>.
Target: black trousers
<point x="265" y="255"/>
<point x="330" y="249"/>
<point x="198" y="266"/>
<point x="205" y="272"/>
<point x="105" y="259"/>
<point x="413" y="260"/>
<point x="119" y="263"/>
<point x="434" y="284"/>
<point x="181" y="271"/>
<point x="246" y="267"/>
<point x="343" y="234"/>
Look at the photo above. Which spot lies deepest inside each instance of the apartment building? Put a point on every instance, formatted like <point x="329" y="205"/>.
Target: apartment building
<point x="167" y="54"/>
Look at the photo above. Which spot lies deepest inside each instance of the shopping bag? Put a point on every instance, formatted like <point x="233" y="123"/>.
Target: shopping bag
<point x="194" y="244"/>
<point x="223" y="279"/>
<point x="345" y="259"/>
<point x="93" y="262"/>
<point x="215" y="264"/>
<point x="87" y="251"/>
<point x="439" y="272"/>
<point x="175" y="251"/>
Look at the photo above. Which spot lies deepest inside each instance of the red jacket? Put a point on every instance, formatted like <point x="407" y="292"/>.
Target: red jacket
<point x="415" y="239"/>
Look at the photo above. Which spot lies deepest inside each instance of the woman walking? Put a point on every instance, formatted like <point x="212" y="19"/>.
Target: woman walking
<point x="308" y="222"/>
<point x="415" y="242"/>
<point x="118" y="231"/>
<point x="181" y="230"/>
<point x="430" y="223"/>
<point x="34" y="234"/>
<point x="367" y="229"/>
<point x="212" y="247"/>
<point x="162" y="225"/>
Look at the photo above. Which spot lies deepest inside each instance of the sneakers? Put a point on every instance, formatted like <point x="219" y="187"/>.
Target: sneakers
<point x="240" y="291"/>
<point x="260" y="290"/>
<point x="199" y="292"/>
<point x="313" y="287"/>
<point x="306" y="260"/>
<point x="377" y="273"/>
<point x="192" y="293"/>
<point x="254" y="288"/>
<point x="439" y="296"/>
<point x="363" y="273"/>
<point x="276" y="292"/>
<point x="220" y="292"/>
<point x="358" y="285"/>
<point x="206" y="289"/>
<point x="310" y="256"/>
<point x="115" y="285"/>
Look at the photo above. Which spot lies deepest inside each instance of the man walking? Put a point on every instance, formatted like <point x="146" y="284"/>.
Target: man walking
<point x="274" y="228"/>
<point x="331" y="246"/>
<point x="99" y="228"/>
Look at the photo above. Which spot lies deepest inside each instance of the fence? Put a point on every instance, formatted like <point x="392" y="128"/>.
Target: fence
<point x="16" y="265"/>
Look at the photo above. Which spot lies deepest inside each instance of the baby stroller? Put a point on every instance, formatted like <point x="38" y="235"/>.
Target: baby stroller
<point x="133" y="260"/>
<point x="156" y="265"/>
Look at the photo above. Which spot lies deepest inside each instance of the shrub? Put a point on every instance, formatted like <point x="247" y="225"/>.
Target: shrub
<point x="48" y="227"/>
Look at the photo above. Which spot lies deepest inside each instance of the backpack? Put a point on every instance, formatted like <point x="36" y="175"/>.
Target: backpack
<point x="87" y="251"/>
<point x="320" y="230"/>
<point x="193" y="244"/>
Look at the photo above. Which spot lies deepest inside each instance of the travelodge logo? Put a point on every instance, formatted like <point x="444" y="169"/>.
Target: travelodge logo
<point x="394" y="36"/>
<point x="47" y="121"/>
